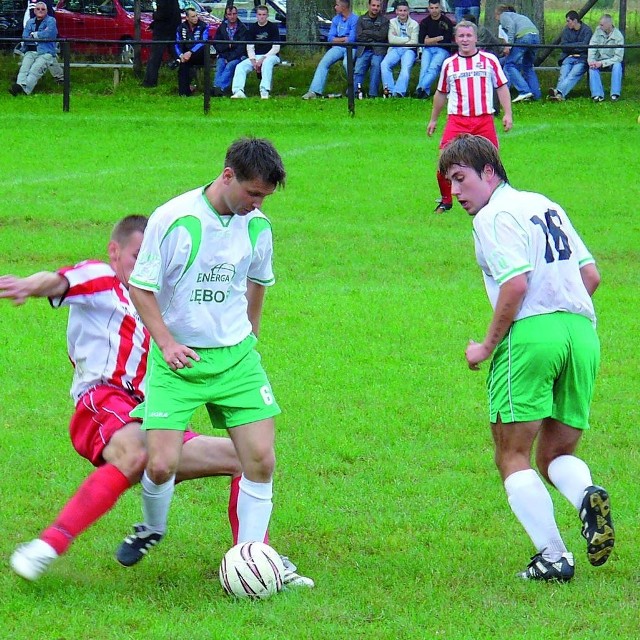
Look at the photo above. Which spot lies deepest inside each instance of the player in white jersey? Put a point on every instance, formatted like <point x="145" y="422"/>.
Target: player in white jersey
<point x="544" y="351"/>
<point x="467" y="82"/>
<point x="107" y="346"/>
<point x="199" y="285"/>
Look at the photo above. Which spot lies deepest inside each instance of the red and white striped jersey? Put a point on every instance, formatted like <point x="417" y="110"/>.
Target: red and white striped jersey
<point x="470" y="82"/>
<point x="106" y="340"/>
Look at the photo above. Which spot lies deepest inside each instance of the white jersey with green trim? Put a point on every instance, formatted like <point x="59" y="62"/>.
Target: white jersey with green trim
<point x="520" y="232"/>
<point x="197" y="263"/>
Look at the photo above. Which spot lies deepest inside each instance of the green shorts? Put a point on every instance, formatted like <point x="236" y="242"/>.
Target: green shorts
<point x="229" y="381"/>
<point x="545" y="367"/>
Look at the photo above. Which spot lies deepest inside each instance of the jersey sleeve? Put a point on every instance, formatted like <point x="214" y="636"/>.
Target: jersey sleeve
<point x="503" y="244"/>
<point x="166" y="253"/>
<point x="85" y="279"/>
<point x="261" y="268"/>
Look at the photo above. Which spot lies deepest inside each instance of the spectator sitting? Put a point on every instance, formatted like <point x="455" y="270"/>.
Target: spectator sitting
<point x="518" y="65"/>
<point x="231" y="54"/>
<point x="262" y="57"/>
<point x="573" y="61"/>
<point x="343" y="29"/>
<point x="402" y="30"/>
<point x="189" y="49"/>
<point x="373" y="29"/>
<point x="599" y="59"/>
<point x="38" y="55"/>
<point x="436" y="32"/>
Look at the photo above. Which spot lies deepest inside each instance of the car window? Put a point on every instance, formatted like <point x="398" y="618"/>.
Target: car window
<point x="146" y="6"/>
<point x="77" y="6"/>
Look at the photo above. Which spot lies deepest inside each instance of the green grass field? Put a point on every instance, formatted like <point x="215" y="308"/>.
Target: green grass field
<point x="385" y="488"/>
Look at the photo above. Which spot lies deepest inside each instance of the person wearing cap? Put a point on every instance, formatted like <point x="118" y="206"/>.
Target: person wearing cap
<point x="39" y="54"/>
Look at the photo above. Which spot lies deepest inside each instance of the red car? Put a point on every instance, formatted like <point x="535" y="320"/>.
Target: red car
<point x="93" y="20"/>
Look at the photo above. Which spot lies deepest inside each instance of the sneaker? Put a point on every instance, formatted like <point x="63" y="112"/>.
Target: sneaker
<point x="238" y="94"/>
<point x="523" y="97"/>
<point x="264" y="94"/>
<point x="541" y="569"/>
<point x="310" y="95"/>
<point x="615" y="98"/>
<point x="31" y="560"/>
<point x="597" y="525"/>
<point x="552" y="94"/>
<point x="598" y="98"/>
<point x="217" y="92"/>
<point x="420" y="93"/>
<point x="15" y="89"/>
<point x="136" y="546"/>
<point x="443" y="206"/>
<point x="293" y="579"/>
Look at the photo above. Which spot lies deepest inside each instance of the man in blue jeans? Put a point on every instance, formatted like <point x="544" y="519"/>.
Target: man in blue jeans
<point x="573" y="61"/>
<point x="230" y="53"/>
<point x="372" y="28"/>
<point x="518" y="65"/>
<point x="436" y="32"/>
<point x="343" y="29"/>
<point x="600" y="59"/>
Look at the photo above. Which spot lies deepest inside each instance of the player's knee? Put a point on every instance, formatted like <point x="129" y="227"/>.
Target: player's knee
<point x="160" y="470"/>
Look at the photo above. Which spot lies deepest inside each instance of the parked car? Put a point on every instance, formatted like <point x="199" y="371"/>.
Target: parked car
<point x="278" y="14"/>
<point x="418" y="9"/>
<point x="90" y="21"/>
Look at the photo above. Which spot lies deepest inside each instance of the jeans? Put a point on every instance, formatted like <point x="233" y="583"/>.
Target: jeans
<point x="430" y="65"/>
<point x="518" y="66"/>
<point x="363" y="62"/>
<point x="461" y="12"/>
<point x="333" y="55"/>
<point x="595" y="81"/>
<point x="571" y="70"/>
<point x="33" y="67"/>
<point x="224" y="72"/>
<point x="406" y="58"/>
<point x="245" y="67"/>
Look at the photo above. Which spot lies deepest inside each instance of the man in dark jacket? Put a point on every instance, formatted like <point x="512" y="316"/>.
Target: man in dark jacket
<point x="373" y="28"/>
<point x="189" y="49"/>
<point x="166" y="19"/>
<point x="573" y="61"/>
<point x="231" y="53"/>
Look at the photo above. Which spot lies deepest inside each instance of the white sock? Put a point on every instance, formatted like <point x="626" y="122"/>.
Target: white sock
<point x="531" y="503"/>
<point x="254" y="509"/>
<point x="570" y="476"/>
<point x="156" y="499"/>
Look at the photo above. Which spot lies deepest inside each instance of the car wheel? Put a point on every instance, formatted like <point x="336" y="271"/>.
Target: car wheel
<point x="126" y="53"/>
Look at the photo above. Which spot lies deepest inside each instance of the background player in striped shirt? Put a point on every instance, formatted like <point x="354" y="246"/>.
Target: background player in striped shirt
<point x="467" y="81"/>
<point x="544" y="352"/>
<point x="107" y="345"/>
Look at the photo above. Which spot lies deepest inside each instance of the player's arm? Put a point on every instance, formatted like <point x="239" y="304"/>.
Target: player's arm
<point x="509" y="301"/>
<point x="255" y="299"/>
<point x="439" y="101"/>
<point x="173" y="352"/>
<point x="590" y="277"/>
<point x="45" y="284"/>
<point x="504" y="97"/>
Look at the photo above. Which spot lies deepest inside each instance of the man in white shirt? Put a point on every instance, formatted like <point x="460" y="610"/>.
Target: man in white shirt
<point x="544" y="352"/>
<point x="403" y="30"/>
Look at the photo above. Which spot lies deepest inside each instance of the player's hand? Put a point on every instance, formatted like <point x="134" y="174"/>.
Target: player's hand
<point x="507" y="122"/>
<point x="476" y="353"/>
<point x="178" y="356"/>
<point x="14" y="289"/>
<point x="431" y="127"/>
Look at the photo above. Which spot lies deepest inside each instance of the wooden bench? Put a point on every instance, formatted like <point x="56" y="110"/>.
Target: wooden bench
<point x="116" y="66"/>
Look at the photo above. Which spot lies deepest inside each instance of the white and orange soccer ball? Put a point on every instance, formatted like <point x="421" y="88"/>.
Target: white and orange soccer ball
<point x="251" y="570"/>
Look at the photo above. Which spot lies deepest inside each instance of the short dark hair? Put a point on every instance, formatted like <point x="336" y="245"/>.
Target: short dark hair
<point x="469" y="17"/>
<point x="572" y="15"/>
<point x="124" y="229"/>
<point x="401" y="3"/>
<point x="475" y="152"/>
<point x="256" y="158"/>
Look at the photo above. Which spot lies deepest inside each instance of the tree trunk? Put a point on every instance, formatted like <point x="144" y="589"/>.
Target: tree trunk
<point x="302" y="25"/>
<point x="326" y="8"/>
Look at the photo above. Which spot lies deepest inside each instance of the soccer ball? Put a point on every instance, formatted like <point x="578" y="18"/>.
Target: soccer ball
<point x="251" y="570"/>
